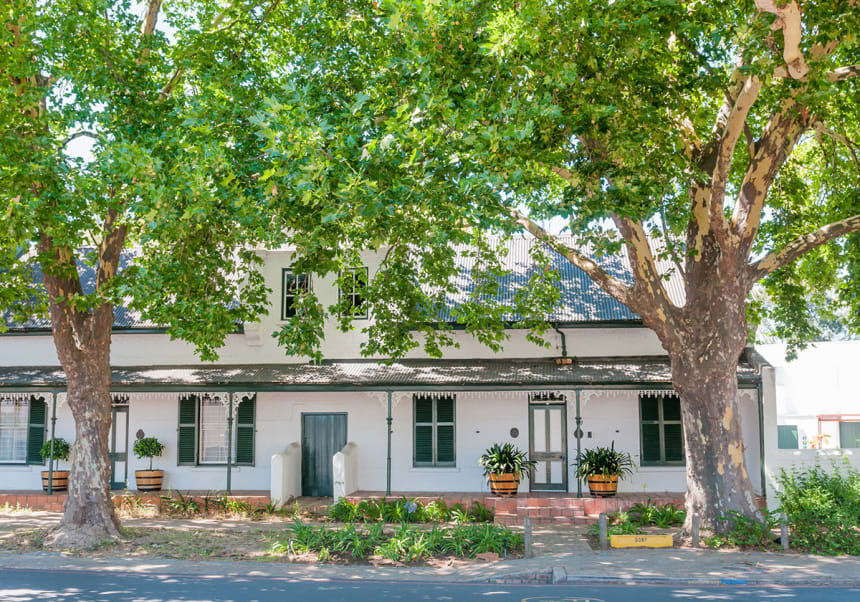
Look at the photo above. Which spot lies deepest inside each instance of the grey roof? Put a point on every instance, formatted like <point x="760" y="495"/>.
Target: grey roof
<point x="366" y="374"/>
<point x="124" y="318"/>
<point x="582" y="301"/>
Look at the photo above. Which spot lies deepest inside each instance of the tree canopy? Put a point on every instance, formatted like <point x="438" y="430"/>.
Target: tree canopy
<point x="418" y="124"/>
<point x="169" y="165"/>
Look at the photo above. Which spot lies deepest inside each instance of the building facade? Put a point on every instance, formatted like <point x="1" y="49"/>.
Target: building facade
<point x="417" y="424"/>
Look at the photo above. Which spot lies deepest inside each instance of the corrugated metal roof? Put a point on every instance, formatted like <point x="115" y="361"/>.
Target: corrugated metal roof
<point x="582" y="301"/>
<point x="123" y="317"/>
<point x="358" y="374"/>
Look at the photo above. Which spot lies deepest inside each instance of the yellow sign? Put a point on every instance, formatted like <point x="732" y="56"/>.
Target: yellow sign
<point x="640" y="541"/>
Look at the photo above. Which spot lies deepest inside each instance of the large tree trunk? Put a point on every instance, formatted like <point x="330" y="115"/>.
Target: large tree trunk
<point x="89" y="516"/>
<point x="82" y="338"/>
<point x="717" y="479"/>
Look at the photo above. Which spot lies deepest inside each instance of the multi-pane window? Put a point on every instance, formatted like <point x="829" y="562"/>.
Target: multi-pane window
<point x="203" y="428"/>
<point x="213" y="432"/>
<point x="352" y="291"/>
<point x="293" y="285"/>
<point x="433" y="417"/>
<point x="661" y="430"/>
<point x="14" y="422"/>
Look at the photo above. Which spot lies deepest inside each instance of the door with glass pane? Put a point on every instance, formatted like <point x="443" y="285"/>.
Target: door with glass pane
<point x="119" y="447"/>
<point x="548" y="447"/>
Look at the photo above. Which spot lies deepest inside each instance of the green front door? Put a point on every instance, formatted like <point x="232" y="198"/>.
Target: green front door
<point x="323" y="435"/>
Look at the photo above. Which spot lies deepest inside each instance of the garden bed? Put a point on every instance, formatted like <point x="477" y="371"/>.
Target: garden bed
<point x="376" y="544"/>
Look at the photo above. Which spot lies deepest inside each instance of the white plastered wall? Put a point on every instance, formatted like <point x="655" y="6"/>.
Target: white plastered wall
<point x="482" y="418"/>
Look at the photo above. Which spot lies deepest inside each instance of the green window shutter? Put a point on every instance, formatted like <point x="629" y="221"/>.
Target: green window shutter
<point x="424" y="444"/>
<point x="650" y="443"/>
<point x="187" y="436"/>
<point x="245" y="427"/>
<point x="787" y="436"/>
<point x="849" y="434"/>
<point x="424" y="410"/>
<point x="445" y="409"/>
<point x="445" y="444"/>
<point x="673" y="442"/>
<point x="36" y="430"/>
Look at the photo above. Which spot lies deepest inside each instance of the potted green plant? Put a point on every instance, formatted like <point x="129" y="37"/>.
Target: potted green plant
<point x="57" y="479"/>
<point x="503" y="466"/>
<point x="148" y="480"/>
<point x="603" y="466"/>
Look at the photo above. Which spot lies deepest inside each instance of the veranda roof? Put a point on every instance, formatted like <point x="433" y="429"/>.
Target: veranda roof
<point x="345" y="375"/>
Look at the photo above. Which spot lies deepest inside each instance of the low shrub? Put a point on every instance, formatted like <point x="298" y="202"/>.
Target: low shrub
<point x="666" y="515"/>
<point x="822" y="508"/>
<point x="746" y="532"/>
<point x="405" y="510"/>
<point x="405" y="544"/>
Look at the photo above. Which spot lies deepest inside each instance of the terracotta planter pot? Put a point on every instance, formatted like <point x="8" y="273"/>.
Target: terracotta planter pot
<point x="59" y="480"/>
<point x="505" y="484"/>
<point x="602" y="485"/>
<point x="148" y="480"/>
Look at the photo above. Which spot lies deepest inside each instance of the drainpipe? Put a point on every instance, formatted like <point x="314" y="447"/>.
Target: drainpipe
<point x="53" y="430"/>
<point x="578" y="433"/>
<point x="388" y="420"/>
<point x="229" y="439"/>
<point x="761" y="438"/>
<point x="563" y="340"/>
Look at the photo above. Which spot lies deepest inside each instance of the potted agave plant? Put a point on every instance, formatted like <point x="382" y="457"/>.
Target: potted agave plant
<point x="148" y="480"/>
<point x="58" y="479"/>
<point x="603" y="466"/>
<point x="503" y="466"/>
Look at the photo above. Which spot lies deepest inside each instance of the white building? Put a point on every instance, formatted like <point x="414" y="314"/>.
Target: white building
<point x="816" y="415"/>
<point x="443" y="413"/>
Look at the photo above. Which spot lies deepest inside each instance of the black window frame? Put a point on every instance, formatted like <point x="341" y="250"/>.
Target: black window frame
<point x="435" y="424"/>
<point x="359" y="315"/>
<point x="287" y="310"/>
<point x="661" y="422"/>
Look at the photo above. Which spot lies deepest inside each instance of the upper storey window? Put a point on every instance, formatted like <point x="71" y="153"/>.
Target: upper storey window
<point x="293" y="285"/>
<point x="355" y="281"/>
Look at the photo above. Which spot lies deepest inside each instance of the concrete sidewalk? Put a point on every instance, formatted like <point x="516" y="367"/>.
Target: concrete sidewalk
<point x="560" y="551"/>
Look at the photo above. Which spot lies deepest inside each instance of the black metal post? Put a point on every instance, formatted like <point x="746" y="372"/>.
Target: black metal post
<point x="578" y="434"/>
<point x="229" y="439"/>
<point x="53" y="430"/>
<point x="388" y="421"/>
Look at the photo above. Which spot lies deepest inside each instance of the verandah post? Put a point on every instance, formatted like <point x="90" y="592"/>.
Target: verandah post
<point x="53" y="429"/>
<point x="229" y="439"/>
<point x="578" y="433"/>
<point x="388" y="461"/>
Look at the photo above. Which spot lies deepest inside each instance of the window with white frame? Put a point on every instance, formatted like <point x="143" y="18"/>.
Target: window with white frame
<point x="213" y="431"/>
<point x="14" y="418"/>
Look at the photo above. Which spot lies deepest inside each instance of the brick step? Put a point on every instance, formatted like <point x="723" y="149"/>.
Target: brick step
<point x="508" y="519"/>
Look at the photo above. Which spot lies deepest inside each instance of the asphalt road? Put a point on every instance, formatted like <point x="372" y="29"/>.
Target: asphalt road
<point x="25" y="585"/>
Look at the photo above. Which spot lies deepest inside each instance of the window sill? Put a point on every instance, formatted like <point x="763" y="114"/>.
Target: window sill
<point x="661" y="467"/>
<point x="19" y="467"/>
<point x="435" y="469"/>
